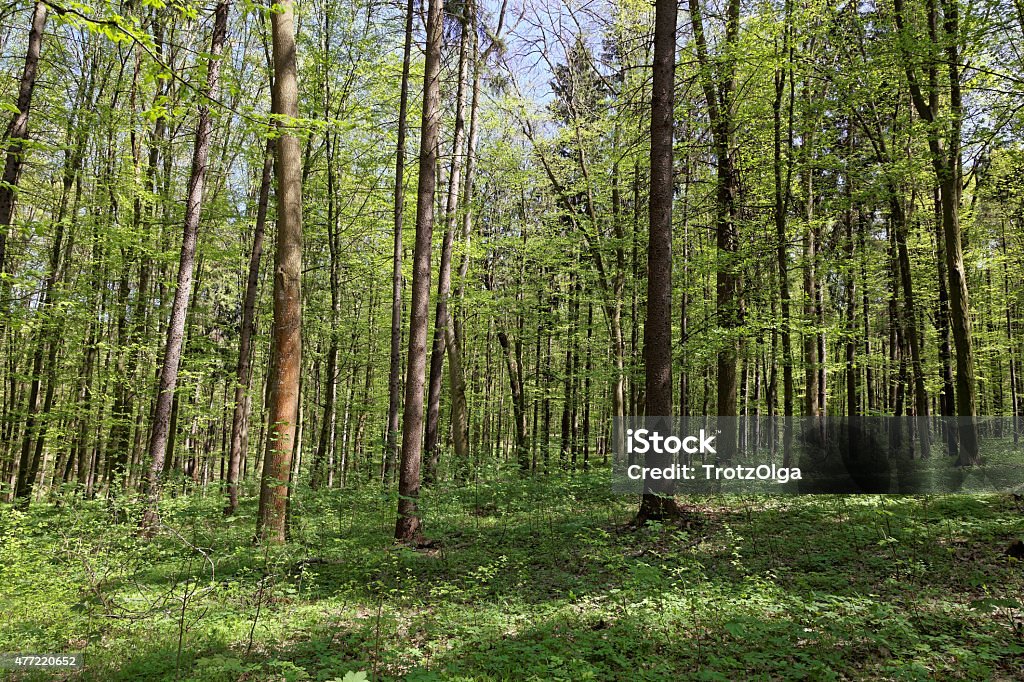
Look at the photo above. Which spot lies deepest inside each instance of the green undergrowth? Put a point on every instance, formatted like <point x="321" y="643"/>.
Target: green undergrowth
<point x="524" y="580"/>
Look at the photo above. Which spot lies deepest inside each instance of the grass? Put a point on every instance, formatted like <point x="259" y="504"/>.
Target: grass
<point x="528" y="580"/>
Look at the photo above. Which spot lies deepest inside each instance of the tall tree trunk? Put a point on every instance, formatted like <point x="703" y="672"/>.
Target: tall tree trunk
<point x="684" y="299"/>
<point x="812" y="408"/>
<point x="657" y="501"/>
<point x="869" y="374"/>
<point x="587" y="369"/>
<point x="407" y="526"/>
<point x="852" y="400"/>
<point x="240" y="416"/>
<point x="1014" y="402"/>
<point x="947" y="394"/>
<point x="944" y="144"/>
<point x="326" y="439"/>
<point x="568" y="378"/>
<point x="186" y="264"/>
<point x="454" y="333"/>
<point x="718" y="83"/>
<point x="909" y="308"/>
<point x="287" y="369"/>
<point x="782" y="193"/>
<point x="395" y="367"/>
<point x="960" y="308"/>
<point x="444" y="279"/>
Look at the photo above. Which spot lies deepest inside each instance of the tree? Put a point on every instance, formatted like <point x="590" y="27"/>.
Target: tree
<point x="944" y="143"/>
<point x="718" y="81"/>
<point x="657" y="502"/>
<point x="395" y="365"/>
<point x="284" y="380"/>
<point x="240" y="416"/>
<point x="186" y="265"/>
<point x="408" y="524"/>
<point x="442" y="319"/>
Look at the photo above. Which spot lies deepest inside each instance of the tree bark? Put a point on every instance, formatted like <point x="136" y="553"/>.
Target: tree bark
<point x="284" y="380"/>
<point x="946" y="162"/>
<point x="186" y="264"/>
<point x="718" y="84"/>
<point x="657" y="501"/>
<point x="395" y="368"/>
<point x="444" y="278"/>
<point x="240" y="416"/>
<point x="407" y="526"/>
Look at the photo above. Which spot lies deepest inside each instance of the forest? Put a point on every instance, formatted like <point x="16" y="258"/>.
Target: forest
<point x="319" y="319"/>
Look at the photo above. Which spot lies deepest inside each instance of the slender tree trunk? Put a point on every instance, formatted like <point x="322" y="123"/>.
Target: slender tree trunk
<point x="783" y="169"/>
<point x="514" y="365"/>
<point x="444" y="279"/>
<point x="454" y="333"/>
<point x="684" y="304"/>
<point x="812" y="408"/>
<point x="395" y="368"/>
<point x="910" y="310"/>
<point x="568" y="378"/>
<point x="944" y="143"/>
<point x="176" y="327"/>
<point x="407" y="526"/>
<point x="287" y="368"/>
<point x="240" y="417"/>
<point x="869" y="374"/>
<point x="718" y="84"/>
<point x="546" y="392"/>
<point x="719" y="98"/>
<point x="331" y="380"/>
<point x="960" y="309"/>
<point x="852" y="401"/>
<point x="1014" y="402"/>
<point x="587" y="369"/>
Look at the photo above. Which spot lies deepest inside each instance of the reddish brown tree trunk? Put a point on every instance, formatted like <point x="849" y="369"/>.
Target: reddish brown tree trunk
<point x="284" y="380"/>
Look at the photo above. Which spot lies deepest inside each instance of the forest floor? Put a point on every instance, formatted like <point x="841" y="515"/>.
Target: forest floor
<point x="527" y="580"/>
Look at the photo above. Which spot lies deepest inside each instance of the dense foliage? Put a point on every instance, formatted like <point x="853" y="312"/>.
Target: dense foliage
<point x="212" y="216"/>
